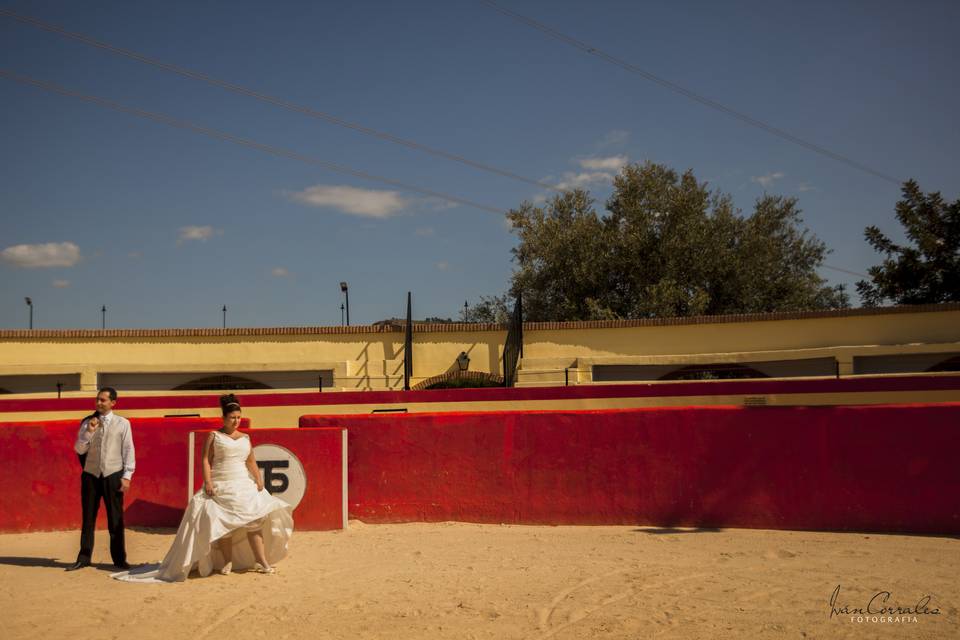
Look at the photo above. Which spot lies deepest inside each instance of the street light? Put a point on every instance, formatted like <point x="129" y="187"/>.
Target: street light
<point x="30" y="304"/>
<point x="341" y="314"/>
<point x="224" y="316"/>
<point x="103" y="317"/>
<point x="346" y="294"/>
<point x="463" y="361"/>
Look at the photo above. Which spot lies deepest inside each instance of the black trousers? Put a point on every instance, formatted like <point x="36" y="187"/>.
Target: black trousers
<point x="92" y="490"/>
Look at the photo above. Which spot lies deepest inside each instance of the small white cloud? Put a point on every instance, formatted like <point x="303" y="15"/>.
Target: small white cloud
<point x="538" y="199"/>
<point x="806" y="186"/>
<point x="576" y="180"/>
<point x="767" y="180"/>
<point x="39" y="256"/>
<point x="614" y="138"/>
<point x="202" y="234"/>
<point x="61" y="284"/>
<point x="279" y="272"/>
<point x="425" y="232"/>
<point x="442" y="266"/>
<point x="610" y="163"/>
<point x="368" y="203"/>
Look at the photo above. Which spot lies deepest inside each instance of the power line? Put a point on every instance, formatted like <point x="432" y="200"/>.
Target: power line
<point x="852" y="273"/>
<point x="220" y="135"/>
<point x="672" y="86"/>
<point x="286" y="104"/>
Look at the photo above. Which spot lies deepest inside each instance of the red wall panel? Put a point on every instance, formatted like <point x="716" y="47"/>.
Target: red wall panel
<point x="866" y="468"/>
<point x="41" y="473"/>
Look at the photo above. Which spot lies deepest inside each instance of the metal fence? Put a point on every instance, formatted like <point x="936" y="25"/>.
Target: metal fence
<point x="513" y="347"/>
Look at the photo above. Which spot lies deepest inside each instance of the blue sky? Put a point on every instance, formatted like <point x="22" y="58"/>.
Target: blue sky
<point x="164" y="226"/>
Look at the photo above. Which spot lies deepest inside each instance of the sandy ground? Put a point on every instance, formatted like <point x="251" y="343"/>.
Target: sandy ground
<point x="457" y="580"/>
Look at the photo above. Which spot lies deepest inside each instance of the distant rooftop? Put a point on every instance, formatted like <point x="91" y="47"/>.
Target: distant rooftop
<point x="398" y="325"/>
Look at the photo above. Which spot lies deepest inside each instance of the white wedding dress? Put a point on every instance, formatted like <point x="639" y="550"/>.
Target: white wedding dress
<point x="236" y="508"/>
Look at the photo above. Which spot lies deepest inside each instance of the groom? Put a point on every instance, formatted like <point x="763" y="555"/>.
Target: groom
<point x="105" y="445"/>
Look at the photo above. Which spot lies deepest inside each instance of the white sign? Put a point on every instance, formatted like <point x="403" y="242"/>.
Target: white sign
<point x="283" y="474"/>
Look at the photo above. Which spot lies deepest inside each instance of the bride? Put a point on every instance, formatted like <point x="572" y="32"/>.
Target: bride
<point x="233" y="522"/>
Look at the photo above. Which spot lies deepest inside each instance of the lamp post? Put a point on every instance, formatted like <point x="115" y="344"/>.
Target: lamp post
<point x="466" y="308"/>
<point x="341" y="314"/>
<point x="346" y="295"/>
<point x="224" y="316"/>
<point x="103" y="317"/>
<point x="30" y="304"/>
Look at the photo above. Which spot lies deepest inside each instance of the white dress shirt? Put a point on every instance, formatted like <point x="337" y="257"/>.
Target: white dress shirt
<point x="109" y="449"/>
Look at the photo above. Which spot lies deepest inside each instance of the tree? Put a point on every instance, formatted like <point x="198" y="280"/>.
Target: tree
<point x="669" y="246"/>
<point x="490" y="309"/>
<point x="928" y="269"/>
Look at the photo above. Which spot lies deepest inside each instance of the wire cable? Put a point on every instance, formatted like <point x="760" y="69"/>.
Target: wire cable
<point x="220" y="135"/>
<point x="852" y="273"/>
<point x="672" y="86"/>
<point x="286" y="104"/>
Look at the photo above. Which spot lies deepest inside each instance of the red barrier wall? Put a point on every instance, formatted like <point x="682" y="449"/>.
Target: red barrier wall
<point x="320" y="451"/>
<point x="40" y="473"/>
<point x="865" y="468"/>
<point x="210" y="400"/>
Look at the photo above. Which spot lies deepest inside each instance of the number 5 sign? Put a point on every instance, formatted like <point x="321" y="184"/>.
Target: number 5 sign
<point x="283" y="475"/>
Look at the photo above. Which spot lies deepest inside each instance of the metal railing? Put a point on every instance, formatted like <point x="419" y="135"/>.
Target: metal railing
<point x="513" y="346"/>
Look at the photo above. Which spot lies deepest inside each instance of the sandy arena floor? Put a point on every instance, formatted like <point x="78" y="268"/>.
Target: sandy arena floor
<point x="461" y="581"/>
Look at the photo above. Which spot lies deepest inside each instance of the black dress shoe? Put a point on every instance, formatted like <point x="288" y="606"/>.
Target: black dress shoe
<point x="79" y="564"/>
<point x="123" y="566"/>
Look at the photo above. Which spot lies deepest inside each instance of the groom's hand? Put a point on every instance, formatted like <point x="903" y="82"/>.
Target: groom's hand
<point x="124" y="484"/>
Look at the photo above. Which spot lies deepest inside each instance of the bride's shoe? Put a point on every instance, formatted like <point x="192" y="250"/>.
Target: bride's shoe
<point x="227" y="568"/>
<point x="259" y="568"/>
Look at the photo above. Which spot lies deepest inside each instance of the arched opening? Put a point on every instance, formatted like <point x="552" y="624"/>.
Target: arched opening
<point x="461" y="380"/>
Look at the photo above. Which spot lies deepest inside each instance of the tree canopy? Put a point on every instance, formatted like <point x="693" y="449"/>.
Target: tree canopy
<point x="667" y="246"/>
<point x="927" y="270"/>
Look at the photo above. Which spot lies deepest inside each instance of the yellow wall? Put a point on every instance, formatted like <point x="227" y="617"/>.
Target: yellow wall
<point x="372" y="358"/>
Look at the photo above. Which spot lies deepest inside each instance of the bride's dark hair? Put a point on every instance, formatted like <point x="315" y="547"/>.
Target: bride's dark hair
<point x="229" y="403"/>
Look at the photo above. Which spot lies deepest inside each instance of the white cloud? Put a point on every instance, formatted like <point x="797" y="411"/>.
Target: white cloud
<point x="368" y="203"/>
<point x="614" y="138"/>
<point x="197" y="233"/>
<point x="806" y="186"/>
<point x="61" y="284"/>
<point x="610" y="163"/>
<point x="279" y="272"/>
<point x="767" y="180"/>
<point x="425" y="232"/>
<point x="573" y="180"/>
<point x="442" y="266"/>
<point x="38" y="256"/>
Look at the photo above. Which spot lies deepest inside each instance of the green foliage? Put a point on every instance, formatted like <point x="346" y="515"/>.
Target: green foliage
<point x="668" y="247"/>
<point x="928" y="269"/>
<point x="490" y="309"/>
